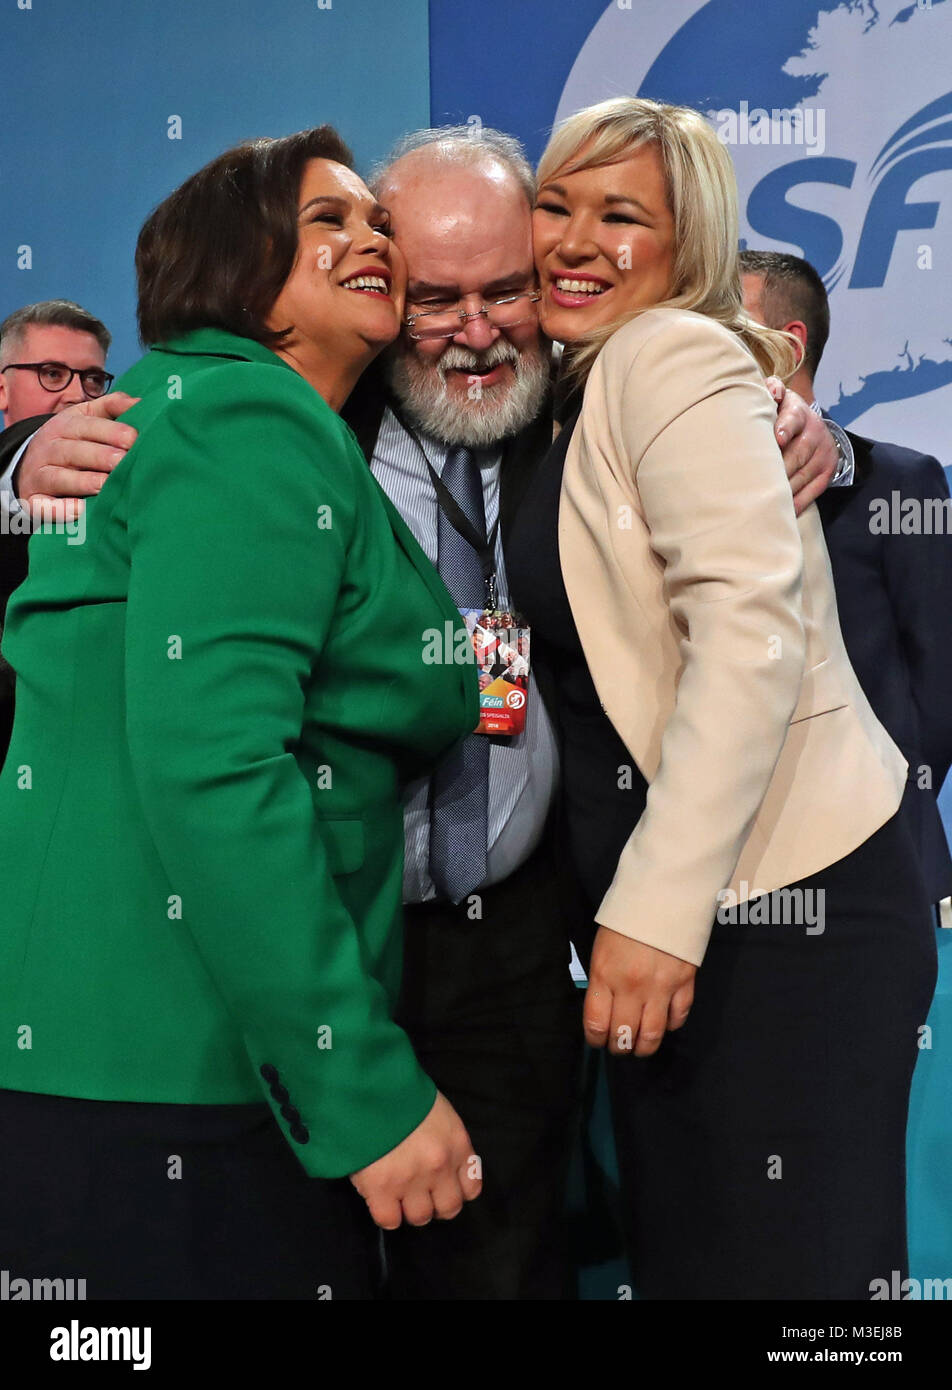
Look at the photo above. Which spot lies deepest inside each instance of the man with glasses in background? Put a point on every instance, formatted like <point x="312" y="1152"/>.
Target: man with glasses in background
<point x="52" y="356"/>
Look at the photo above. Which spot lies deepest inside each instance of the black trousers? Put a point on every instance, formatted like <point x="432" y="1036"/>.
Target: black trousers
<point x="173" y="1202"/>
<point x="762" y="1148"/>
<point x="496" y="1021"/>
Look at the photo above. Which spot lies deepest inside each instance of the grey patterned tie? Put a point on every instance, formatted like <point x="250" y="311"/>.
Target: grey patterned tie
<point x="459" y="788"/>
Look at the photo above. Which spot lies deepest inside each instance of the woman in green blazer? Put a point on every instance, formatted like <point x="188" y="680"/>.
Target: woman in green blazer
<point x="221" y="692"/>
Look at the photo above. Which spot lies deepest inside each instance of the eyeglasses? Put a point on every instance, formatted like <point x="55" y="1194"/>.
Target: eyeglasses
<point x="56" y="376"/>
<point x="450" y="319"/>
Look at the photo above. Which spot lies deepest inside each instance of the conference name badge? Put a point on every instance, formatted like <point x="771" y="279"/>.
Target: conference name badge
<point x="500" y="640"/>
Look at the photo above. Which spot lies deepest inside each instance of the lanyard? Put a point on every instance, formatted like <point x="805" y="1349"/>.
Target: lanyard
<point x="485" y="546"/>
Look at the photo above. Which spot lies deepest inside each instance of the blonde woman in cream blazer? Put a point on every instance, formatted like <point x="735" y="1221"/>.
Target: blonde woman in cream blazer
<point x="760" y="1107"/>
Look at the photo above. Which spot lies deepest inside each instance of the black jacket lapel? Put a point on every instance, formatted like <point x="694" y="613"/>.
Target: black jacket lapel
<point x="521" y="457"/>
<point x="363" y="410"/>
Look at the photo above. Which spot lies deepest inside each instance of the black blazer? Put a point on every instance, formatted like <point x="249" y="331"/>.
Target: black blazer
<point x="13" y="549"/>
<point x="894" y="596"/>
<point x="13" y="564"/>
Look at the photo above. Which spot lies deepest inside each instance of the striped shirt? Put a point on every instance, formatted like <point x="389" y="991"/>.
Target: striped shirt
<point x="523" y="771"/>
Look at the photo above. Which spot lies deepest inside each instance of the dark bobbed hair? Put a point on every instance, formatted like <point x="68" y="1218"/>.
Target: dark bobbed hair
<point x="217" y="252"/>
<point x="792" y="291"/>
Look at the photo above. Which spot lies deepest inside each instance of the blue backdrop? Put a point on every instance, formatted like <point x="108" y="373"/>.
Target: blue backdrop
<point x="91" y="90"/>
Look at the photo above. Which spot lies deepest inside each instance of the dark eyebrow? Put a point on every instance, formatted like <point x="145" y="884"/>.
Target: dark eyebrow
<point x="620" y="198"/>
<point x="323" y="198"/>
<point x="377" y="209"/>
<point x="610" y="198"/>
<point x="506" y="282"/>
<point x="50" y="362"/>
<point x="417" y="288"/>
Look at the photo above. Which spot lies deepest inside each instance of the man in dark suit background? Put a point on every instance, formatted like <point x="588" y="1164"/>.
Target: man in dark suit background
<point x="43" y="349"/>
<point x="893" y="583"/>
<point x="488" y="999"/>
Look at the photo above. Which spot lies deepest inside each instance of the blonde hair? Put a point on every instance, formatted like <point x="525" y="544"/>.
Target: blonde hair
<point x="702" y="194"/>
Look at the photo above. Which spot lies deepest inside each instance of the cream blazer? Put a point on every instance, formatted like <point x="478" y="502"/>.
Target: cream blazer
<point x="708" y="620"/>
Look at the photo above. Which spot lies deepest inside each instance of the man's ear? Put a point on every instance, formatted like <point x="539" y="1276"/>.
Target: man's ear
<point x="4" y="403"/>
<point x="799" y="331"/>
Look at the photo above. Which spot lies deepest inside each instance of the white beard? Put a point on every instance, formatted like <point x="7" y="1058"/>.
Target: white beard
<point x="492" y="414"/>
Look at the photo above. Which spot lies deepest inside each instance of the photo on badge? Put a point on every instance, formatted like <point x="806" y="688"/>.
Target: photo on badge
<point x="501" y="647"/>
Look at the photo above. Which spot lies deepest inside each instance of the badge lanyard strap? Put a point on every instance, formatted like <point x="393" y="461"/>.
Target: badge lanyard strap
<point x="485" y="546"/>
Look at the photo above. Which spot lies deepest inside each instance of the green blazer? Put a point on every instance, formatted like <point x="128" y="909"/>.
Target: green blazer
<point x="221" y="692"/>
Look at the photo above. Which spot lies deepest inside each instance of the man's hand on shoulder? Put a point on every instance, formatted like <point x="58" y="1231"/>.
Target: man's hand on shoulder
<point x="71" y="456"/>
<point x="809" y="454"/>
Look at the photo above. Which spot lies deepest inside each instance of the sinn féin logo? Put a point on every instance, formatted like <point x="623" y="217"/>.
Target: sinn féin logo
<point x="838" y="116"/>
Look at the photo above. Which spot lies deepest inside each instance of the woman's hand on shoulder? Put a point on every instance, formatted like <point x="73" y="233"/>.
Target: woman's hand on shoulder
<point x="635" y="994"/>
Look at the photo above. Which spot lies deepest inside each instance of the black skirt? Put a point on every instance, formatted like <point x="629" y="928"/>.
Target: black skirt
<point x="148" y="1201"/>
<point x="762" y="1148"/>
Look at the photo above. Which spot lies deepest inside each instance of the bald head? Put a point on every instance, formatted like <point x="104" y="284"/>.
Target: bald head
<point x="461" y="227"/>
<point x="458" y="146"/>
<point x="461" y="211"/>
